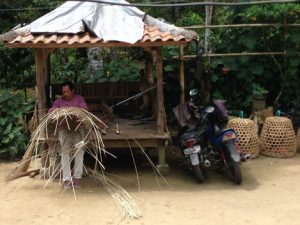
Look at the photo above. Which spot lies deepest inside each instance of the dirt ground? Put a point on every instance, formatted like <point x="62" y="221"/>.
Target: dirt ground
<point x="269" y="194"/>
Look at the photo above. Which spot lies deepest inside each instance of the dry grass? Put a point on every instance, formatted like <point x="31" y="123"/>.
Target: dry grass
<point x="123" y="200"/>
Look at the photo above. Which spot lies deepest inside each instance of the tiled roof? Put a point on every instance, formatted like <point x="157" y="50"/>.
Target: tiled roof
<point x="151" y="34"/>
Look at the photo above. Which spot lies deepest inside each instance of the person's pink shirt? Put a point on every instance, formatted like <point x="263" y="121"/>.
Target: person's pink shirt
<point x="77" y="101"/>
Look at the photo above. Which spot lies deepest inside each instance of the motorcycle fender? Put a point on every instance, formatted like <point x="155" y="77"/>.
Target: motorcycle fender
<point x="194" y="158"/>
<point x="233" y="152"/>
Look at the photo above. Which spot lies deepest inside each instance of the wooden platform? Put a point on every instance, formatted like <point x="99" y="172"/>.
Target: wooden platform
<point x="135" y="132"/>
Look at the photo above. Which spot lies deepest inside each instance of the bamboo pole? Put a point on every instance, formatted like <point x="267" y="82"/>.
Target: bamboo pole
<point x="208" y="17"/>
<point x="15" y="176"/>
<point x="181" y="76"/>
<point x="234" y="54"/>
<point x="295" y="25"/>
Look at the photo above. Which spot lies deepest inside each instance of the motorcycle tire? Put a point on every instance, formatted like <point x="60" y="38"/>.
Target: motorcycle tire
<point x="235" y="171"/>
<point x="233" y="164"/>
<point x="198" y="173"/>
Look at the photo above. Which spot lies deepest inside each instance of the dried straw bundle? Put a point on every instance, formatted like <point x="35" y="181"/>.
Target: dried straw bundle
<point x="124" y="201"/>
<point x="33" y="123"/>
<point x="72" y="118"/>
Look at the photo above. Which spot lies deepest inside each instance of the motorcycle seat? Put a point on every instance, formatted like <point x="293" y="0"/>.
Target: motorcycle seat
<point x="221" y="131"/>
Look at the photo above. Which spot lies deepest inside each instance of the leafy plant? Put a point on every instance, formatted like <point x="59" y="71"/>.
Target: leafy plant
<point x="122" y="69"/>
<point x="258" y="90"/>
<point x="248" y="74"/>
<point x="12" y="123"/>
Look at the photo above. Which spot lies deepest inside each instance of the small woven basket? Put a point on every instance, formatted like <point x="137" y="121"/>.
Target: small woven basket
<point x="298" y="139"/>
<point x="247" y="141"/>
<point x="277" y="138"/>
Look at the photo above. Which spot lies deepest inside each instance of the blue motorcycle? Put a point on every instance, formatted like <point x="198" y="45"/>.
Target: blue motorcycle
<point x="205" y="141"/>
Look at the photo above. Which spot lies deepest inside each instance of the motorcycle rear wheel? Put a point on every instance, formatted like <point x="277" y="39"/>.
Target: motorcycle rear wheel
<point x="233" y="164"/>
<point x="235" y="171"/>
<point x="198" y="173"/>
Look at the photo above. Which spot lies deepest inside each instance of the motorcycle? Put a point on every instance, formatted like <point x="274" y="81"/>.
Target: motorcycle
<point x="205" y="141"/>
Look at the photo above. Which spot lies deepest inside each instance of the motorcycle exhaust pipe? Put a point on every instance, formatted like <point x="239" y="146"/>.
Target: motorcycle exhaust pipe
<point x="245" y="157"/>
<point x="207" y="163"/>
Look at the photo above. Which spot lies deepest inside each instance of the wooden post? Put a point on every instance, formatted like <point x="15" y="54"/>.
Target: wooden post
<point x="42" y="74"/>
<point x="47" y="77"/>
<point x="160" y="93"/>
<point x="162" y="166"/>
<point x="42" y="63"/>
<point x="181" y="75"/>
<point x="150" y="78"/>
<point x="149" y="68"/>
<point x="41" y="80"/>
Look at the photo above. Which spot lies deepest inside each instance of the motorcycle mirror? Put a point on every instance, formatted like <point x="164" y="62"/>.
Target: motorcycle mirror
<point x="193" y="92"/>
<point x="209" y="109"/>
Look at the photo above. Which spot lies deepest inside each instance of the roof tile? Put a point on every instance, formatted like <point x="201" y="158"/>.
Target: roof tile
<point x="151" y="34"/>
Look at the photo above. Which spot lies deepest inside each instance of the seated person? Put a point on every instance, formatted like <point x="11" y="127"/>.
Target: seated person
<point x="66" y="137"/>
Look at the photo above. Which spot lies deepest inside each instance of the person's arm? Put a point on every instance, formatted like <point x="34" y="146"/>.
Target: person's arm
<point x="82" y="103"/>
<point x="55" y="105"/>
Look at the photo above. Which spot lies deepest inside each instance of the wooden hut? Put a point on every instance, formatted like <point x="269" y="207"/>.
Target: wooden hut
<point x="156" y="35"/>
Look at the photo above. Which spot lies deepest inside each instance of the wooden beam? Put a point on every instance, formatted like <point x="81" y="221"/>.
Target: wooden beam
<point x="148" y="50"/>
<point x="161" y="119"/>
<point x="181" y="76"/>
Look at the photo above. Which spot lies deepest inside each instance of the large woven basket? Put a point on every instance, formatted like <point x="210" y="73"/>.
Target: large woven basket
<point x="298" y="139"/>
<point x="278" y="138"/>
<point x="247" y="141"/>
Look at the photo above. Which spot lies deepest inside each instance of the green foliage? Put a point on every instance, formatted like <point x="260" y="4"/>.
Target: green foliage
<point x="68" y="64"/>
<point x="249" y="74"/>
<point x="271" y="13"/>
<point x="275" y="73"/>
<point x="17" y="65"/>
<point x="190" y="19"/>
<point x="12" y="111"/>
<point x="17" y="70"/>
<point x="122" y="69"/>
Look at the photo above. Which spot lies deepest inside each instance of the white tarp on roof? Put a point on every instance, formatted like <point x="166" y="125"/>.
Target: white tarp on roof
<point x="109" y="22"/>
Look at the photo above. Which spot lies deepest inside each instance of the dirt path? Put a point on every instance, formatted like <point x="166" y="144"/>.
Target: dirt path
<point x="270" y="194"/>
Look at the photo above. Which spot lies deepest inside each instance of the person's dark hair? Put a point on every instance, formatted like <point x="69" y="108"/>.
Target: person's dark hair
<point x="68" y="83"/>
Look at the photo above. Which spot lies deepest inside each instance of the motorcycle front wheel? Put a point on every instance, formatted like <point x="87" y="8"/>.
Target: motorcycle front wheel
<point x="198" y="173"/>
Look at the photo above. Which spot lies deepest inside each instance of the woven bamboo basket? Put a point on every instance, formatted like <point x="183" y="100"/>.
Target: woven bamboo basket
<point x="247" y="141"/>
<point x="277" y="138"/>
<point x="298" y="139"/>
